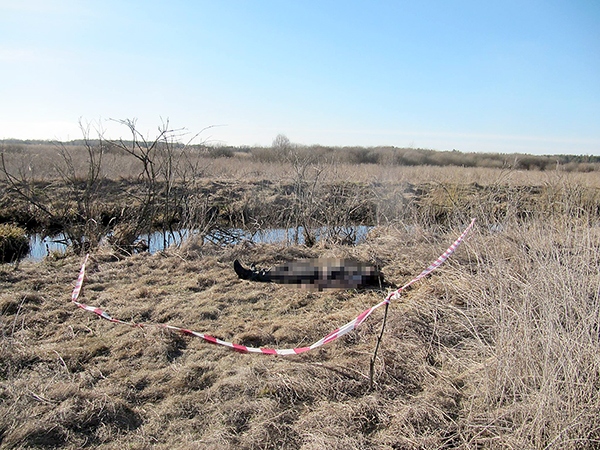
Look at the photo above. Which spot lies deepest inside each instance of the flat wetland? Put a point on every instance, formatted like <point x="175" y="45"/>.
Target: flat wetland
<point x="498" y="348"/>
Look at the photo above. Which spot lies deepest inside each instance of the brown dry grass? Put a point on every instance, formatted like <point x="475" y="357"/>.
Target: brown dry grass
<point x="251" y="195"/>
<point x="498" y="349"/>
<point x="44" y="162"/>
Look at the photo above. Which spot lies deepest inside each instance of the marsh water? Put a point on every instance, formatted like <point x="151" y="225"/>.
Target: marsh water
<point x="41" y="246"/>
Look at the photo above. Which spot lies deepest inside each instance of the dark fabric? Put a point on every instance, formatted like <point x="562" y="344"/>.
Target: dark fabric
<point x="321" y="273"/>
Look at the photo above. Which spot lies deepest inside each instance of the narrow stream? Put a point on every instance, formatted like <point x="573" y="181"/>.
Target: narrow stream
<point x="41" y="246"/>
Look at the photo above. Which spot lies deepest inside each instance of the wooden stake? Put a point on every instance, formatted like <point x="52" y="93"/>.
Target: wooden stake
<point x="374" y="357"/>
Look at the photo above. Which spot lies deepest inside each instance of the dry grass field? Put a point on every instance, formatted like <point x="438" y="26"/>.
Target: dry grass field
<point x="498" y="348"/>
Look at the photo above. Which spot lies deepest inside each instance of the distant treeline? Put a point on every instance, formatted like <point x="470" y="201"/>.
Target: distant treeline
<point x="284" y="151"/>
<point x="411" y="157"/>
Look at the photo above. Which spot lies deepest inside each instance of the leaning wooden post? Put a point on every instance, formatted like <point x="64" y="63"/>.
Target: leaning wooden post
<point x="374" y="357"/>
<point x="443" y="257"/>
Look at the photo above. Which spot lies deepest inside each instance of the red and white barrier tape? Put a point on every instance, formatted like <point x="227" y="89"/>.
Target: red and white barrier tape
<point x="272" y="351"/>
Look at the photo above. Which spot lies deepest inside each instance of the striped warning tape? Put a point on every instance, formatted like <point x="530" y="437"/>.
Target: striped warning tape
<point x="353" y="324"/>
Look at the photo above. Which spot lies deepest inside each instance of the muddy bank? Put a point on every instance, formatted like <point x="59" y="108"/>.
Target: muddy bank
<point x="248" y="205"/>
<point x="124" y="210"/>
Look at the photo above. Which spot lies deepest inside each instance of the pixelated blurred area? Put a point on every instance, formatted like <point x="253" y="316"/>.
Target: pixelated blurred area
<point x="316" y="274"/>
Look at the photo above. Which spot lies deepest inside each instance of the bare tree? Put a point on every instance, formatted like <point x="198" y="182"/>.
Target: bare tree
<point x="168" y="177"/>
<point x="76" y="214"/>
<point x="281" y="147"/>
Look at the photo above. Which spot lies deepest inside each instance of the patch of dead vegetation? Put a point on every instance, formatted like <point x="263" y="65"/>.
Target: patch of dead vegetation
<point x="497" y="348"/>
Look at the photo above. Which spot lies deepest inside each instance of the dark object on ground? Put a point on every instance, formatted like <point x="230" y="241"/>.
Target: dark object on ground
<point x="320" y="273"/>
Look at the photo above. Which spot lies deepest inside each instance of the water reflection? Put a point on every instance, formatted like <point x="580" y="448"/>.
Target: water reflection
<point x="42" y="246"/>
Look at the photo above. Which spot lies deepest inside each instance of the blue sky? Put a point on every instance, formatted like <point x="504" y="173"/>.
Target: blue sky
<point x="501" y="76"/>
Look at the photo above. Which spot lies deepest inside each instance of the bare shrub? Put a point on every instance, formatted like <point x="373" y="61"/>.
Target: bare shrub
<point x="77" y="213"/>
